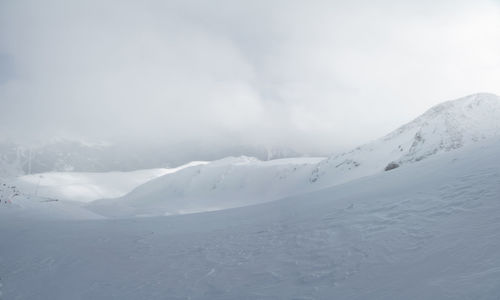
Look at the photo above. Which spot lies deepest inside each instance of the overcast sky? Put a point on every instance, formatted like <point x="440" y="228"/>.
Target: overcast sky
<point x="312" y="75"/>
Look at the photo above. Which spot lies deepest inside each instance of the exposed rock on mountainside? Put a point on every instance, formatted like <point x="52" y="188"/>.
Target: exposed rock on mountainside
<point x="448" y="126"/>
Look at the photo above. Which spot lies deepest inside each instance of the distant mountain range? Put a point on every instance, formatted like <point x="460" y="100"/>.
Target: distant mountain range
<point x="64" y="154"/>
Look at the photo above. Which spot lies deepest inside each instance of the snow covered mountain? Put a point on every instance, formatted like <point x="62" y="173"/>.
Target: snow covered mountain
<point x="59" y="154"/>
<point x="78" y="155"/>
<point x="244" y="181"/>
<point x="226" y="183"/>
<point x="445" y="127"/>
<point x="428" y="230"/>
<point x="16" y="202"/>
<point x="89" y="186"/>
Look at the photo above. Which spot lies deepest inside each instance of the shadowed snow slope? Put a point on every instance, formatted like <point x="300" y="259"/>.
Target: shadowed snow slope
<point x="243" y="181"/>
<point x="424" y="231"/>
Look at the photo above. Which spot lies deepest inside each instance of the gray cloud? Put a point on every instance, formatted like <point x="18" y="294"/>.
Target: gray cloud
<point x="315" y="75"/>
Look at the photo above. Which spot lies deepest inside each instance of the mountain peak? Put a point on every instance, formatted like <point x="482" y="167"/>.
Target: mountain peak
<point x="464" y="104"/>
<point x="447" y="126"/>
<point x="475" y="115"/>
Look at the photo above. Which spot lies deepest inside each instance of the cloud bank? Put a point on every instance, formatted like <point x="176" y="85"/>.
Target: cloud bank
<point x="316" y="76"/>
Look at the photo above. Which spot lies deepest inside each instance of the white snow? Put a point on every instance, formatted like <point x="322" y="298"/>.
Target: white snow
<point x="15" y="202"/>
<point x="448" y="126"/>
<point x="222" y="184"/>
<point x="90" y="186"/>
<point x="235" y="182"/>
<point x="429" y="229"/>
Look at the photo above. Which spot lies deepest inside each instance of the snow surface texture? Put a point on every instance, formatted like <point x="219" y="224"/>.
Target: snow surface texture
<point x="427" y="231"/>
<point x="244" y="181"/>
<point x="87" y="187"/>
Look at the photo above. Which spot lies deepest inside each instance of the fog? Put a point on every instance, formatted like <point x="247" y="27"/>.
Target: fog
<point x="313" y="76"/>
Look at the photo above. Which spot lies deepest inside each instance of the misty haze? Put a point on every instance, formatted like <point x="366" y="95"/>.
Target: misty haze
<point x="249" y="149"/>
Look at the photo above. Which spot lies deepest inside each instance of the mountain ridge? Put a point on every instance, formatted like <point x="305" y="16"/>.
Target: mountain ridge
<point x="244" y="181"/>
<point x="444" y="127"/>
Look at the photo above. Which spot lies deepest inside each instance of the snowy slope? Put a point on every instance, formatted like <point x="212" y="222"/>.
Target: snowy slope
<point x="230" y="183"/>
<point x="226" y="183"/>
<point x="86" y="187"/>
<point x="445" y="127"/>
<point x="16" y="203"/>
<point x="429" y="230"/>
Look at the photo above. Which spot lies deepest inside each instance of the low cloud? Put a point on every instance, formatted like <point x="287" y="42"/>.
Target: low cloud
<point x="316" y="76"/>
